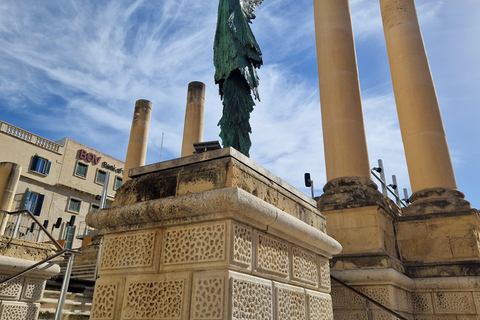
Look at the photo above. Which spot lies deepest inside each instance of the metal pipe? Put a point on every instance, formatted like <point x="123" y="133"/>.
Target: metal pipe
<point x="64" y="290"/>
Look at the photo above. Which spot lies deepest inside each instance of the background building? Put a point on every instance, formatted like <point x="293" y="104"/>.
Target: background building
<point x="59" y="180"/>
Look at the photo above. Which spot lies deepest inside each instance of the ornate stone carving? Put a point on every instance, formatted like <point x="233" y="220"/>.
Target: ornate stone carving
<point x="272" y="255"/>
<point x="251" y="298"/>
<point x="324" y="273"/>
<point x="194" y="244"/>
<point x="242" y="245"/>
<point x="290" y="302"/>
<point x="304" y="266"/>
<point x="105" y="299"/>
<point x="450" y="302"/>
<point x="339" y="297"/>
<point x="319" y="307"/>
<point x="130" y="250"/>
<point x="33" y="289"/>
<point x="154" y="297"/>
<point x="380" y="294"/>
<point x="208" y="298"/>
<point x="18" y="310"/>
<point x="422" y="302"/>
<point x="12" y="288"/>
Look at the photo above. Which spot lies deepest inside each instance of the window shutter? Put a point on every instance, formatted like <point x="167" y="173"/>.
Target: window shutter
<point x="47" y="168"/>
<point x="27" y="200"/>
<point x="34" y="162"/>
<point x="38" y="207"/>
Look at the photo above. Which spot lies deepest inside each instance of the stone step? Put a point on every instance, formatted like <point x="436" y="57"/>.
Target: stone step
<point x="77" y="306"/>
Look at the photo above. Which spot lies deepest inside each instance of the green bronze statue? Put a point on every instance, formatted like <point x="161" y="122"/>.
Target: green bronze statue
<point x="236" y="55"/>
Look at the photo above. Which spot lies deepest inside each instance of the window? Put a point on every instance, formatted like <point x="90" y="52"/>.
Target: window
<point x="33" y="202"/>
<point x="68" y="236"/>
<point x="100" y="177"/>
<point x="95" y="207"/>
<point x="40" y="165"/>
<point x="118" y="182"/>
<point x="74" y="205"/>
<point x="81" y="170"/>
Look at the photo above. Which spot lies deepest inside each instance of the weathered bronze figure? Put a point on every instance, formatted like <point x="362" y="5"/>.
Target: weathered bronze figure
<point x="236" y="57"/>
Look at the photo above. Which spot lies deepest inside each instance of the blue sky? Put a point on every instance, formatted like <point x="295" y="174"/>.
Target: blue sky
<point x="76" y="68"/>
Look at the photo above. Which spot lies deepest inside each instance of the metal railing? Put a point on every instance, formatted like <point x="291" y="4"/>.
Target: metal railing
<point x="379" y="174"/>
<point x="369" y="300"/>
<point x="60" y="251"/>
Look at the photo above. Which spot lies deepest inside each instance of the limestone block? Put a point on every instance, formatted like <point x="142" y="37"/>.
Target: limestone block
<point x="33" y="289"/>
<point x="160" y="296"/>
<point x="242" y="246"/>
<point x="251" y="297"/>
<point x="422" y="303"/>
<point x="209" y="296"/>
<point x="324" y="274"/>
<point x="12" y="289"/>
<point x="340" y="297"/>
<point x="204" y="243"/>
<point x="382" y="294"/>
<point x="107" y="298"/>
<point x="290" y="302"/>
<point x="272" y="257"/>
<point x="305" y="267"/>
<point x="453" y="302"/>
<point x="319" y="306"/>
<point x="130" y="250"/>
<point x="351" y="315"/>
<point x="10" y="310"/>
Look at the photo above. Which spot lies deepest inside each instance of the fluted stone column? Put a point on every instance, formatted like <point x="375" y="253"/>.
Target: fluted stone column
<point x="9" y="177"/>
<point x="428" y="158"/>
<point x="346" y="156"/>
<point x="137" y="144"/>
<point x="194" y="113"/>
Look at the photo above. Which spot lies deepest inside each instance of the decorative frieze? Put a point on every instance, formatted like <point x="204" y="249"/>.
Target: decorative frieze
<point x="290" y="302"/>
<point x="33" y="289"/>
<point x="242" y="245"/>
<point x="422" y="303"/>
<point x="12" y="310"/>
<point x="164" y="296"/>
<point x="324" y="273"/>
<point x="304" y="266"/>
<point x="453" y="302"/>
<point x="251" y="298"/>
<point x="319" y="306"/>
<point x="11" y="290"/>
<point x="271" y="255"/>
<point x="208" y="297"/>
<point x="128" y="250"/>
<point x="105" y="301"/>
<point x="194" y="243"/>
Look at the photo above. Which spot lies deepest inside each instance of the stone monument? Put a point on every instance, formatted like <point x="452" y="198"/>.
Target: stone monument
<point x="212" y="236"/>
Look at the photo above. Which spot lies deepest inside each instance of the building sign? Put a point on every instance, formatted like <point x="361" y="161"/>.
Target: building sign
<point x="111" y="167"/>
<point x="89" y="157"/>
<point x="94" y="159"/>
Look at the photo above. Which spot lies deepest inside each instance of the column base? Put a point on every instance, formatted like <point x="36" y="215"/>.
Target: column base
<point x="351" y="192"/>
<point x="436" y="200"/>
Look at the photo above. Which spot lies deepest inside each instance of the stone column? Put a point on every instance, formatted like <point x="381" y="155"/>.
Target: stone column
<point x="137" y="144"/>
<point x="428" y="158"/>
<point x="193" y="127"/>
<point x="9" y="177"/>
<point x="346" y="156"/>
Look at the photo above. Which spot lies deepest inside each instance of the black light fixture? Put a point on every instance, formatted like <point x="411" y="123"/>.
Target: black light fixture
<point x="393" y="186"/>
<point x="72" y="221"/>
<point x="58" y="223"/>
<point x="378" y="169"/>
<point x="201" y="147"/>
<point x="45" y="224"/>
<point x="309" y="183"/>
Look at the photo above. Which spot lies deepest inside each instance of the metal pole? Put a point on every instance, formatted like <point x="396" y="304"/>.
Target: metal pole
<point x="397" y="198"/>
<point x="17" y="225"/>
<point x="102" y="205"/>
<point x="64" y="290"/>
<point x="382" y="176"/>
<point x="367" y="306"/>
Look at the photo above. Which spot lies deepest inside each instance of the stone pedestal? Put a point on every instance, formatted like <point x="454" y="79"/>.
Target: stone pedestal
<point x="20" y="298"/>
<point x="212" y="236"/>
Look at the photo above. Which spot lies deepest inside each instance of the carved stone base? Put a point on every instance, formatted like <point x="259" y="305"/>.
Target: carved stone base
<point x="436" y="200"/>
<point x="351" y="192"/>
